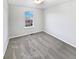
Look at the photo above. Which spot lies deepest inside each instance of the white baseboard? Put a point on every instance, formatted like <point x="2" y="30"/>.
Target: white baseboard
<point x="23" y="35"/>
<point x="5" y="46"/>
<point x="59" y="39"/>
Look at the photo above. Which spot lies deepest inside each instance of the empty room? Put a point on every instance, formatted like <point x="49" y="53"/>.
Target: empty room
<point x="39" y="29"/>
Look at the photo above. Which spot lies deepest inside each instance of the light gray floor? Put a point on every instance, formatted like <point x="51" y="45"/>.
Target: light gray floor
<point x="39" y="46"/>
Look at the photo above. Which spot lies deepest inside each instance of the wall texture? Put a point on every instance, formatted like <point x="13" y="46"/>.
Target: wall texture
<point x="17" y="21"/>
<point x="5" y="26"/>
<point x="60" y="21"/>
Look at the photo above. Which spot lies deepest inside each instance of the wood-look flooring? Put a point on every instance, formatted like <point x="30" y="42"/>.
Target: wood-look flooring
<point x="39" y="46"/>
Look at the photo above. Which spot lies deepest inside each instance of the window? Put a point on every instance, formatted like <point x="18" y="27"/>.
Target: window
<point x="28" y="18"/>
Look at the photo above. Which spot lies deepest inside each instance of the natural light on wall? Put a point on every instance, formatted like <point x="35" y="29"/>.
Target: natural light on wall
<point x="38" y="1"/>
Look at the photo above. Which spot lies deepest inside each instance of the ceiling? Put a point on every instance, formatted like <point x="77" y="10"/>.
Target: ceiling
<point x="31" y="3"/>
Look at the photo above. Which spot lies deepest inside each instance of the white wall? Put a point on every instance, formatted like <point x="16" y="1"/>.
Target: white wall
<point x="17" y="21"/>
<point x="5" y="26"/>
<point x="60" y="22"/>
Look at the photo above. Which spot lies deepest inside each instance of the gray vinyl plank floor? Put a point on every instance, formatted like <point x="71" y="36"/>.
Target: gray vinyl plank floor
<point x="39" y="46"/>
